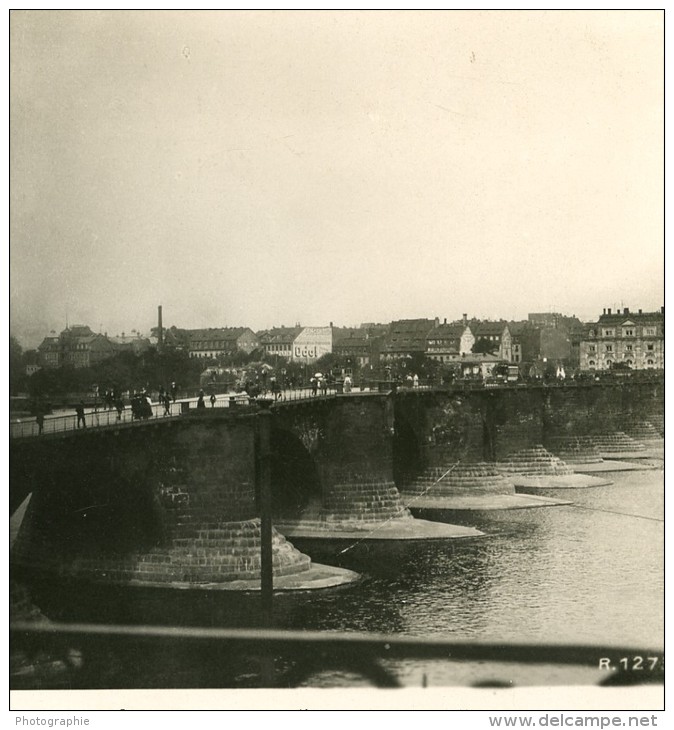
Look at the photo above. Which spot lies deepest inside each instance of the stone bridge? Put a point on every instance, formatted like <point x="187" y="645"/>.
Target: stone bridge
<point x="176" y="501"/>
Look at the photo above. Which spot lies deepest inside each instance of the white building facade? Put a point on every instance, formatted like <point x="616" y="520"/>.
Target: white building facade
<point x="312" y="343"/>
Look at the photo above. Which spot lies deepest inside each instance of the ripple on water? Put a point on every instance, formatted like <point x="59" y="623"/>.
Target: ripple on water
<point x="562" y="574"/>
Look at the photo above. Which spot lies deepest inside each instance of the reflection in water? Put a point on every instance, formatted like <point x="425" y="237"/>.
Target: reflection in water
<point x="560" y="574"/>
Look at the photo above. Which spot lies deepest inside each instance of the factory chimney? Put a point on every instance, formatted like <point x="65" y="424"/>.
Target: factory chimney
<point x="160" y="336"/>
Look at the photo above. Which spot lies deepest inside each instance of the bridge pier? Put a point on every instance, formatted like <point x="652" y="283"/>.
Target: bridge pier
<point x="171" y="506"/>
<point x="585" y="425"/>
<point x="458" y="436"/>
<point x="351" y="447"/>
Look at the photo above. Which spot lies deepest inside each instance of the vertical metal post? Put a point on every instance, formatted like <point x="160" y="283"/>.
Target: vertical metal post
<point x="264" y="481"/>
<point x="263" y="474"/>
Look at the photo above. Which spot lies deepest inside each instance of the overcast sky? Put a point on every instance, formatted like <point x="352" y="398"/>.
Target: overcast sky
<point x="260" y="168"/>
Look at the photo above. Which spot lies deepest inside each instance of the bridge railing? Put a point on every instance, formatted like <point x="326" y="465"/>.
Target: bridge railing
<point x="222" y="400"/>
<point x="305" y="392"/>
<point x="87" y="654"/>
<point x="60" y="424"/>
<point x="102" y="418"/>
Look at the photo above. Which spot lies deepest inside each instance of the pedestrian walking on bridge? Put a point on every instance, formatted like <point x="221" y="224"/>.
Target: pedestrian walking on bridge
<point x="79" y="409"/>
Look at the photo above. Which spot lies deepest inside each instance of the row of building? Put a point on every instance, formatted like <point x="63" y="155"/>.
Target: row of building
<point x="635" y="340"/>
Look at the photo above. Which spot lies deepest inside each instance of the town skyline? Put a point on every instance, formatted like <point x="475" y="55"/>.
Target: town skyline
<point x="146" y="331"/>
<point x="252" y="169"/>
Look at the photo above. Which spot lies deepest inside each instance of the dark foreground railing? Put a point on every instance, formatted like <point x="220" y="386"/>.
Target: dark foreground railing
<point x="92" y="656"/>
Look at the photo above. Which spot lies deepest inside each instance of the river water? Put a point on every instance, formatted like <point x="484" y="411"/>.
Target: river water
<point x="591" y="572"/>
<point x="556" y="574"/>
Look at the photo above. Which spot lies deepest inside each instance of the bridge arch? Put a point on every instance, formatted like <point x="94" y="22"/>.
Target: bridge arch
<point x="296" y="484"/>
<point x="407" y="451"/>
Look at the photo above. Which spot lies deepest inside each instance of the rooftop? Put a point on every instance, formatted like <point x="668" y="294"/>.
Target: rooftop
<point x="217" y="333"/>
<point x="616" y="318"/>
<point x="447" y="330"/>
<point x="279" y="335"/>
<point x="489" y="328"/>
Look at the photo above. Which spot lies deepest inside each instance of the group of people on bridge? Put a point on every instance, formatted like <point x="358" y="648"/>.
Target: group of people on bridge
<point x="112" y="398"/>
<point x="201" y="403"/>
<point x="318" y="382"/>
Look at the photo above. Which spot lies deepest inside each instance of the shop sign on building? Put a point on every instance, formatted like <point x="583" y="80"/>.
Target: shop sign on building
<point x="312" y="343"/>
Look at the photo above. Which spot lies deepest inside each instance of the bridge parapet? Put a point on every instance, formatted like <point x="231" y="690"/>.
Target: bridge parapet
<point x="489" y="424"/>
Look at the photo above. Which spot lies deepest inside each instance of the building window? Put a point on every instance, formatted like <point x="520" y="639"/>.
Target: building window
<point x="650" y="331"/>
<point x="609" y="348"/>
<point x="628" y="332"/>
<point x="628" y="348"/>
<point x="649" y="362"/>
<point x="592" y="363"/>
<point x="608" y="363"/>
<point x="649" y="347"/>
<point x="608" y="333"/>
<point x="591" y="348"/>
<point x="628" y="362"/>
